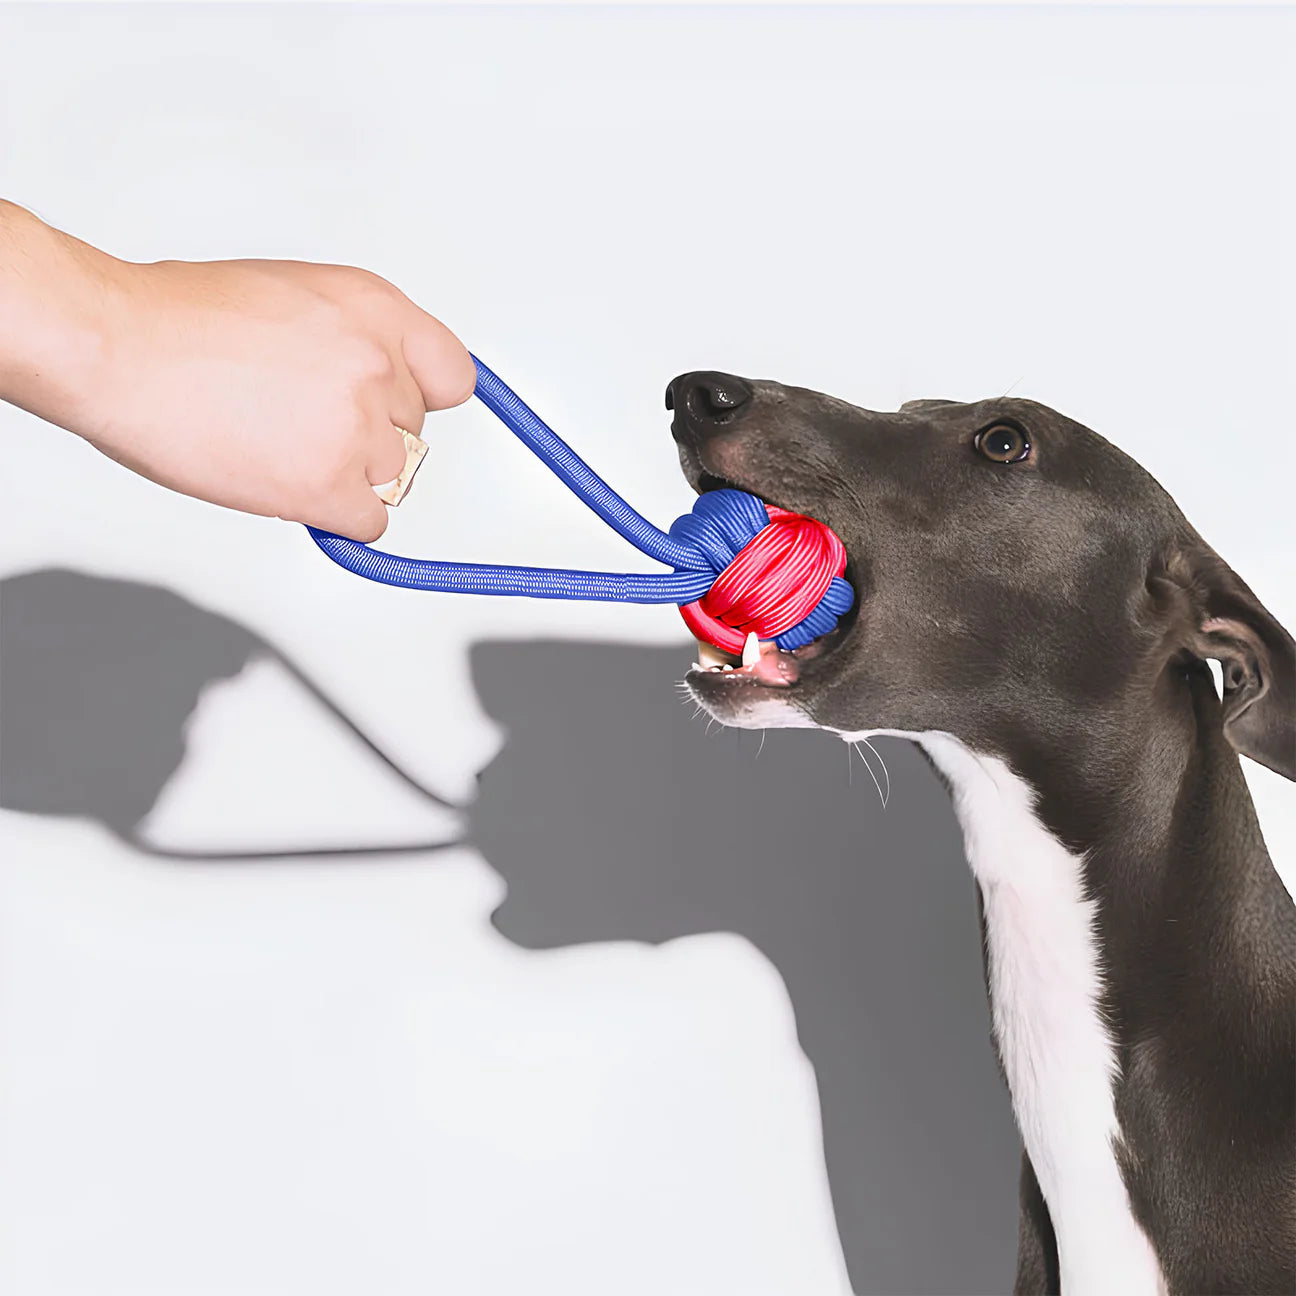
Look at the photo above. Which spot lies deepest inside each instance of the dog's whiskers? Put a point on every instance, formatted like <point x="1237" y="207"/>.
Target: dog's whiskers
<point x="882" y="796"/>
<point x="886" y="773"/>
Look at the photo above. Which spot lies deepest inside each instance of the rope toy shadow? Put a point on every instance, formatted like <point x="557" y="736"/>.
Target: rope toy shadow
<point x="98" y="681"/>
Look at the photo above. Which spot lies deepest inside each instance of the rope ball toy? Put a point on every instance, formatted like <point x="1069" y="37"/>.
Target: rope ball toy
<point x="743" y="570"/>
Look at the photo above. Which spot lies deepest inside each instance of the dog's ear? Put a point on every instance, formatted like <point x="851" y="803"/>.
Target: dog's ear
<point x="1224" y="621"/>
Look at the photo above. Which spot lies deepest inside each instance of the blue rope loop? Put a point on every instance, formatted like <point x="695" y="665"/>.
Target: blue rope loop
<point x="699" y="545"/>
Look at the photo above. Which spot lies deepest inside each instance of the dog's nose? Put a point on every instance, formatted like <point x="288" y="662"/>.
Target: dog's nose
<point x="704" y="397"/>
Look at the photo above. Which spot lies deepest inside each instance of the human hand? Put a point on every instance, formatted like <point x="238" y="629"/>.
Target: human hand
<point x="275" y="387"/>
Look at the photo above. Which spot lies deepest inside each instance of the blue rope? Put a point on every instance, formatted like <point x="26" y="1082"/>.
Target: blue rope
<point x="699" y="545"/>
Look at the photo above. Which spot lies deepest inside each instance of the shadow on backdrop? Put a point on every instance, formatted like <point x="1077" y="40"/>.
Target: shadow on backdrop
<point x="613" y="815"/>
<point x="98" y="680"/>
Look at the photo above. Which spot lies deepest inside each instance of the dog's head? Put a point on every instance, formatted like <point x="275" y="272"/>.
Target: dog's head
<point x="1012" y="570"/>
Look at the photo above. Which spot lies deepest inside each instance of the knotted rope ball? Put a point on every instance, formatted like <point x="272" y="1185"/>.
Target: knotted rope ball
<point x="778" y="574"/>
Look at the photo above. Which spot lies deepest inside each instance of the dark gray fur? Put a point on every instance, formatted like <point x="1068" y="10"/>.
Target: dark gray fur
<point x="1059" y="612"/>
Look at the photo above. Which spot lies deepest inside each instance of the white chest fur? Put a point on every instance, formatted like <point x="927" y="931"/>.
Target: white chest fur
<point x="1044" y="991"/>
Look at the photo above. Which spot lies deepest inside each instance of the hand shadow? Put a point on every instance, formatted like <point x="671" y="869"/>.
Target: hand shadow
<point x="98" y="680"/>
<point x="613" y="814"/>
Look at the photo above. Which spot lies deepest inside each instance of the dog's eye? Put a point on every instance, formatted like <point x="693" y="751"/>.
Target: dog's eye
<point x="1003" y="443"/>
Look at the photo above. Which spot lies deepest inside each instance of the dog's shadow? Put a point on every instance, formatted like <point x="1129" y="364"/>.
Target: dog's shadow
<point x="613" y="814"/>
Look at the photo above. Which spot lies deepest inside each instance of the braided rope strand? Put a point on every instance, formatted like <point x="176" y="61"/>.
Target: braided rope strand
<point x="740" y="565"/>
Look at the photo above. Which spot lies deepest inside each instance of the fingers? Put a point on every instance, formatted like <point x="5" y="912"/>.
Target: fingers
<point x="386" y="456"/>
<point x="408" y="408"/>
<point x="352" y="508"/>
<point x="369" y="519"/>
<point x="439" y="362"/>
<point x="345" y="502"/>
<point x="356" y="513"/>
<point x="425" y="367"/>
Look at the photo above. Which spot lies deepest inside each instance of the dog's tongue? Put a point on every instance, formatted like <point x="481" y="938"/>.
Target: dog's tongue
<point x="773" y="666"/>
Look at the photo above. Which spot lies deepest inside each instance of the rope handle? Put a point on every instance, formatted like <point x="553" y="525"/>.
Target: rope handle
<point x="740" y="566"/>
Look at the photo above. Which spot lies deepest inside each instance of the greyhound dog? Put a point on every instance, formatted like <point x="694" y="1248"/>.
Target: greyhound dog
<point x="1034" y="611"/>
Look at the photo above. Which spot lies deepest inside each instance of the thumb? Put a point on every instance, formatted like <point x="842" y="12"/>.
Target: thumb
<point x="439" y="362"/>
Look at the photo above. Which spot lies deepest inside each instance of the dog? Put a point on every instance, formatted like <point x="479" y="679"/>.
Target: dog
<point x="1034" y="611"/>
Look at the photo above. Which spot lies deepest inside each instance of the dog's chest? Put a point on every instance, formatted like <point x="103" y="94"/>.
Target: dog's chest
<point x="1045" y="981"/>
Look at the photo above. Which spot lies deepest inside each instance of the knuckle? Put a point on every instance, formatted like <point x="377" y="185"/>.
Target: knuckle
<point x="362" y="282"/>
<point x="371" y="363"/>
<point x="373" y="294"/>
<point x="375" y="284"/>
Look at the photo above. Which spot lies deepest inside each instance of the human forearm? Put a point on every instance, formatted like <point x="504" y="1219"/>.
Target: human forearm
<point x="57" y="299"/>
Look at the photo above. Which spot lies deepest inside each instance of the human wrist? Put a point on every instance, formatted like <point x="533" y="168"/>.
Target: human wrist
<point x="63" y="305"/>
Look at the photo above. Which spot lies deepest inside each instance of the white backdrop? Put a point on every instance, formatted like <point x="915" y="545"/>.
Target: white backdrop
<point x="363" y="1083"/>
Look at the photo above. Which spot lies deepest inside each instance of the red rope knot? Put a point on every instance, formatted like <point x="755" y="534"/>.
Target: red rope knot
<point x="783" y="579"/>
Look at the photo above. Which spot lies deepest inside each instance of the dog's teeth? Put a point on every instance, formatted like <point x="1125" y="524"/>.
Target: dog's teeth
<point x="751" y="649"/>
<point x="726" y="667"/>
<point x="709" y="655"/>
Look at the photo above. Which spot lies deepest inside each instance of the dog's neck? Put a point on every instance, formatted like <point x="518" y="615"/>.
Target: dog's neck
<point x="1150" y="796"/>
<point x="1128" y="899"/>
<point x="1154" y="800"/>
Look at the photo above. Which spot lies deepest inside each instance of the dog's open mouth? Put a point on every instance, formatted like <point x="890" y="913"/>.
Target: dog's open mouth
<point x="762" y="663"/>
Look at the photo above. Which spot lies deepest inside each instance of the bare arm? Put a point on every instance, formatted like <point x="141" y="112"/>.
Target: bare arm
<point x="275" y="387"/>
